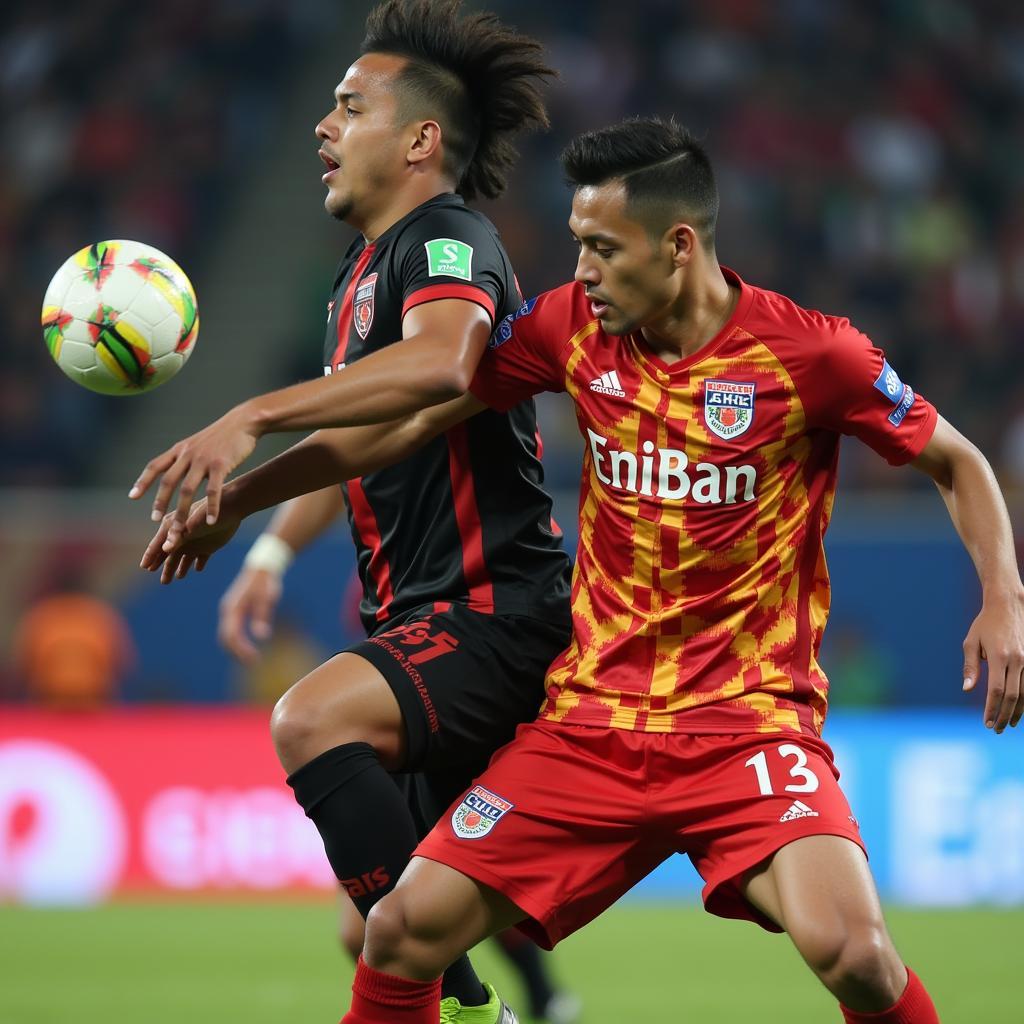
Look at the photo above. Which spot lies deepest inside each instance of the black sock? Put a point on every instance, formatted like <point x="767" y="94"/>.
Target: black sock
<point x="526" y="957"/>
<point x="368" y="834"/>
<point x="460" y="980"/>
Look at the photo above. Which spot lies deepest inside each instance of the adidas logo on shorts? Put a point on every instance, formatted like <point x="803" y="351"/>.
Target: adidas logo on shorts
<point x="798" y="809"/>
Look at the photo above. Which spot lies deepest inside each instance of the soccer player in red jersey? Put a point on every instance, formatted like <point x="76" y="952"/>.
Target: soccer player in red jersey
<point x="685" y="716"/>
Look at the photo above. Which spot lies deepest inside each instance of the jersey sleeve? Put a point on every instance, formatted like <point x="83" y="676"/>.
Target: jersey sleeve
<point x="524" y="355"/>
<point x="452" y="253"/>
<point x="851" y="388"/>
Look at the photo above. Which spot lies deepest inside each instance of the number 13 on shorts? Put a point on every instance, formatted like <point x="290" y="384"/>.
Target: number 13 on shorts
<point x="789" y="759"/>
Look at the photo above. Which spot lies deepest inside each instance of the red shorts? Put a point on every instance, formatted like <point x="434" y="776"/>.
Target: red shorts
<point x="568" y="818"/>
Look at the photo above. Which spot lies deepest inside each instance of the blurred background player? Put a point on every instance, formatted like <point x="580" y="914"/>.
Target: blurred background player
<point x="246" y="614"/>
<point x="465" y="584"/>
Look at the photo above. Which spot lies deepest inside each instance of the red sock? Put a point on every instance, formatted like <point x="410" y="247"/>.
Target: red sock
<point x="379" y="998"/>
<point x="915" y="1006"/>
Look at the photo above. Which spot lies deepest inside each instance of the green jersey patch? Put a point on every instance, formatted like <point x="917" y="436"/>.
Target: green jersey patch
<point x="449" y="257"/>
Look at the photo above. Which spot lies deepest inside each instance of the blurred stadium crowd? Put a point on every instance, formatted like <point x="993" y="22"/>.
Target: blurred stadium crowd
<point x="868" y="154"/>
<point x="120" y="120"/>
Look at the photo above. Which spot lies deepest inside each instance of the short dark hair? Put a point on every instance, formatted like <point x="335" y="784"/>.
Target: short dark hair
<point x="665" y="171"/>
<point x="476" y="76"/>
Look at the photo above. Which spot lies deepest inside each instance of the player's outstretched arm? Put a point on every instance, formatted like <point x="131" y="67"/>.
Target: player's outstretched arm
<point x="325" y="457"/>
<point x="969" y="488"/>
<point x="442" y="343"/>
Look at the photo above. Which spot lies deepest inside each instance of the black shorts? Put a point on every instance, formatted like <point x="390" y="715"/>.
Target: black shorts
<point x="464" y="681"/>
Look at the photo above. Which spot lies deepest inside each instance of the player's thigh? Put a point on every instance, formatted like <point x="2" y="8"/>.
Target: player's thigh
<point x="741" y="799"/>
<point x="820" y="884"/>
<point x="345" y="700"/>
<point x="463" y="680"/>
<point x="555" y="824"/>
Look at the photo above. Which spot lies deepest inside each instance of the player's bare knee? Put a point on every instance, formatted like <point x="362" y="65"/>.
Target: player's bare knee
<point x="859" y="961"/>
<point x="394" y="944"/>
<point x="868" y="961"/>
<point x="293" y="726"/>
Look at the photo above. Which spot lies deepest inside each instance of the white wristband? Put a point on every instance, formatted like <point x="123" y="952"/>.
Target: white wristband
<point x="270" y="553"/>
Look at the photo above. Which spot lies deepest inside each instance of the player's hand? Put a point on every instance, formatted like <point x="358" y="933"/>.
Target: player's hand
<point x="997" y="636"/>
<point x="176" y="549"/>
<point x="247" y="611"/>
<point x="209" y="455"/>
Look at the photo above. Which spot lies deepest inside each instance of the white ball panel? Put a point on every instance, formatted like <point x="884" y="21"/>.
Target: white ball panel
<point x="76" y="356"/>
<point x="147" y="307"/>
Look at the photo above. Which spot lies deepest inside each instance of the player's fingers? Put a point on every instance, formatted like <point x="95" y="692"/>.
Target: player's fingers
<point x="154" y="554"/>
<point x="972" y="662"/>
<point x="201" y="561"/>
<point x="996" y="687"/>
<point x="232" y="635"/>
<point x="1018" y="710"/>
<point x="189" y="486"/>
<point x="164" y="493"/>
<point x="170" y="567"/>
<point x="263" y="608"/>
<point x="197" y="516"/>
<point x="1011" y="692"/>
<point x="150" y="473"/>
<point x="183" y="568"/>
<point x="214" y="484"/>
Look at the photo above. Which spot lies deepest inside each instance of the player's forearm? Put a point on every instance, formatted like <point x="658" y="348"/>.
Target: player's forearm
<point x="979" y="513"/>
<point x="331" y="456"/>
<point x="300" y="521"/>
<point x="325" y="458"/>
<point x="387" y="385"/>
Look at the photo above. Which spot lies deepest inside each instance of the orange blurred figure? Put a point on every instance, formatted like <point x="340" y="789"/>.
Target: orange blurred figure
<point x="72" y="650"/>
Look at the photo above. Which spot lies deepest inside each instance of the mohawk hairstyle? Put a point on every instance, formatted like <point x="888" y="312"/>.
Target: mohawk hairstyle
<point x="664" y="169"/>
<point x="476" y="76"/>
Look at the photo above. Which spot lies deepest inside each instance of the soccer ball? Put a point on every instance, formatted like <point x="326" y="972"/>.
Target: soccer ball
<point x="120" y="317"/>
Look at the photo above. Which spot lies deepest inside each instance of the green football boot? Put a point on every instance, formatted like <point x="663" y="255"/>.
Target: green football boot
<point x="494" y="1011"/>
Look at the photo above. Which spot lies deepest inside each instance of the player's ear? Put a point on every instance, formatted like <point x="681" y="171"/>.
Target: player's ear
<point x="426" y="141"/>
<point x="682" y="242"/>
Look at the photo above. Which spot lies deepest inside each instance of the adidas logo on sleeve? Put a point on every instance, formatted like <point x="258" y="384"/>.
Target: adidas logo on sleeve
<point x="798" y="809"/>
<point x="608" y="384"/>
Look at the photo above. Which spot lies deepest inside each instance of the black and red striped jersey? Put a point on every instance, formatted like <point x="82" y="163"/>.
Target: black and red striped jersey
<point x="466" y="518"/>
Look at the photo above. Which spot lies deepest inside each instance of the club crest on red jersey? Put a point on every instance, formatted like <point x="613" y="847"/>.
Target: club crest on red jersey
<point x="362" y="306"/>
<point x="478" y="813"/>
<point x="728" y="407"/>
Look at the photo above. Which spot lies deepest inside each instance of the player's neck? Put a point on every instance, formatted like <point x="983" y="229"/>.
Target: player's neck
<point x="697" y="317"/>
<point x="400" y="204"/>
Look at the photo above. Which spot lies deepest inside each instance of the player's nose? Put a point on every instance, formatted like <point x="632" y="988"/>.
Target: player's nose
<point x="586" y="272"/>
<point x="323" y="130"/>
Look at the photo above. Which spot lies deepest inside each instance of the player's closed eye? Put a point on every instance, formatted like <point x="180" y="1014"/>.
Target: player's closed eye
<point x="351" y="112"/>
<point x="603" y="253"/>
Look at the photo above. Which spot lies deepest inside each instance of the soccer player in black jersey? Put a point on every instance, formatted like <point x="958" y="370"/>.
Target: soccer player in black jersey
<point x="465" y="584"/>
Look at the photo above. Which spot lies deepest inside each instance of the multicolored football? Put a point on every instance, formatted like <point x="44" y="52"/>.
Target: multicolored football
<point x="120" y="317"/>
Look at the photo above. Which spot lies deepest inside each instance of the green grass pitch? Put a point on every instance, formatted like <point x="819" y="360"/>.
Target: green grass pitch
<point x="256" y="964"/>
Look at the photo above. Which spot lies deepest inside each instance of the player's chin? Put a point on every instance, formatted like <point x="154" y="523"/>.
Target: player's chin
<point x="616" y="324"/>
<point x="338" y="206"/>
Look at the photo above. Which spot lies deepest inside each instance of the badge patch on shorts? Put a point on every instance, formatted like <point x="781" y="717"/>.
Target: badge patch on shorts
<point x="478" y="813"/>
<point x="728" y="407"/>
<point x="449" y="257"/>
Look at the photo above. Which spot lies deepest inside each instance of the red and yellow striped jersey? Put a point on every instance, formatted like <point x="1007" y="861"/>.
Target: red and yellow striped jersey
<point x="701" y="591"/>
